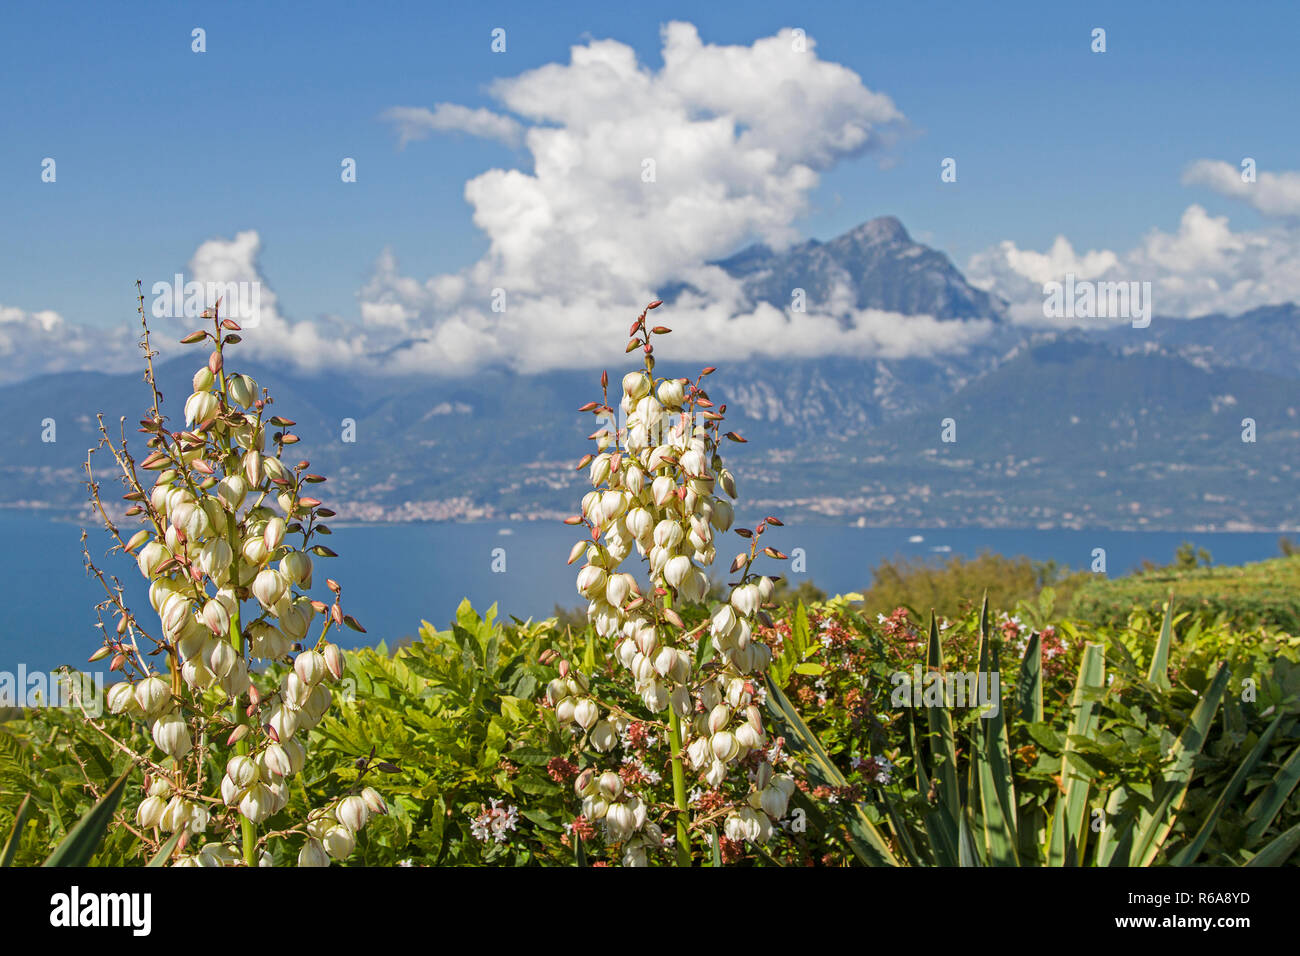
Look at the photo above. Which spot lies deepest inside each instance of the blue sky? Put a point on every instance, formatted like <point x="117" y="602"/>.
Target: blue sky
<point x="160" y="149"/>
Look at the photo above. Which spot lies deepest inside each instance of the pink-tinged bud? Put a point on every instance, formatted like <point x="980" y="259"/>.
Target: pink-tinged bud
<point x="334" y="661"/>
<point x="236" y="735"/>
<point x="748" y="737"/>
<point x="200" y="407"/>
<point x="216" y="617"/>
<point x="718" y="718"/>
<point x="576" y="551"/>
<point x="137" y="539"/>
<point x="611" y="785"/>
<point x="583" y="785"/>
<point x="352" y="812"/>
<point x="374" y="801"/>
<point x="662" y="489"/>
<point x="269" y="587"/>
<point x="274" y="533"/>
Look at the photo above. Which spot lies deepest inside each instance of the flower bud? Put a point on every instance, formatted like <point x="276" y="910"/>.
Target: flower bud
<point x="671" y="393"/>
<point x="313" y="854"/>
<point x="269" y="586"/>
<point x="724" y="746"/>
<point x="242" y="771"/>
<point x="256" y="804"/>
<point x="150" y="812"/>
<point x="636" y="385"/>
<point x="172" y="735"/>
<point x="352" y="812"/>
<point x="374" y="802"/>
<point x="586" y="713"/>
<point x="611" y="785"/>
<point x="216" y="617"/>
<point x="153" y="694"/>
<point x="310" y="667"/>
<point x="274" y="533"/>
<point x="677" y="570"/>
<point x="122" y="699"/>
<point x="603" y="736"/>
<point x="339" y="842"/>
<point x="150" y="556"/>
<point x="200" y="407"/>
<point x="202" y="379"/>
<point x="296" y="566"/>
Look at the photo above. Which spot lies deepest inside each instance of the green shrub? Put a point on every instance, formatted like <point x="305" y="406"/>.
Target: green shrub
<point x="1264" y="594"/>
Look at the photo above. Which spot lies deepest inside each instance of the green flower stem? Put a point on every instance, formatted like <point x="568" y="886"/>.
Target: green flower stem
<point x="679" y="780"/>
<point x="246" y="828"/>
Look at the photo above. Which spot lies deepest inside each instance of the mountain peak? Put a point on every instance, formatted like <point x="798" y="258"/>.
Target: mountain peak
<point x="877" y="264"/>
<point x="879" y="230"/>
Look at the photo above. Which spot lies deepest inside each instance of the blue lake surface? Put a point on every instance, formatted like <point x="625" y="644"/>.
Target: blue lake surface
<point x="395" y="576"/>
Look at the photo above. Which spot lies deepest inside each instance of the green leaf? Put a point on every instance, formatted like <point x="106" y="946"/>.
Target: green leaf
<point x="1158" y="673"/>
<point x="792" y="653"/>
<point x="16" y="834"/>
<point x="715" y="847"/>
<point x="866" y="841"/>
<point x="1069" y="826"/>
<point x="943" y="749"/>
<point x="83" y="839"/>
<point x="1153" y="826"/>
<point x="1279" y="849"/>
<point x="1029" y="686"/>
<point x="1188" y="854"/>
<point x="1272" y="798"/>
<point x="164" y="853"/>
<point x="809" y="669"/>
<point x="991" y="760"/>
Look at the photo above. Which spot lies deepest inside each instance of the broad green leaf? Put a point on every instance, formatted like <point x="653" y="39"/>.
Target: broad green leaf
<point x="1188" y="854"/>
<point x="1068" y="827"/>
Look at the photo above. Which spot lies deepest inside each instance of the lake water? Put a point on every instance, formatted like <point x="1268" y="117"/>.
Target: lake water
<point x="394" y="576"/>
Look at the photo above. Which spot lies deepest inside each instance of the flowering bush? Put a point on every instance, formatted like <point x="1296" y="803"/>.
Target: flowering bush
<point x="229" y="584"/>
<point x="687" y="697"/>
